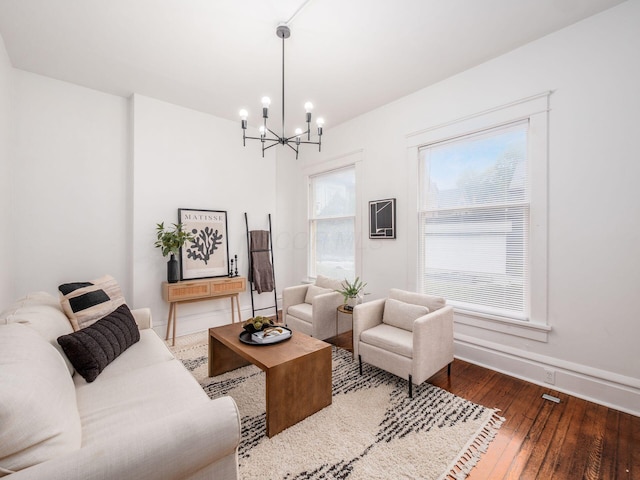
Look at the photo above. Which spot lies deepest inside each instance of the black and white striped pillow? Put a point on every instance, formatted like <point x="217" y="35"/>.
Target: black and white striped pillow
<point x="87" y="302"/>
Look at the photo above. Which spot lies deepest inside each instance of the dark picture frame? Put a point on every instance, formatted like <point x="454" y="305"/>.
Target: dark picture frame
<point x="382" y="218"/>
<point x="208" y="254"/>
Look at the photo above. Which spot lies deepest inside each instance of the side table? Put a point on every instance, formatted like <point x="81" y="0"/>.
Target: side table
<point x="346" y="311"/>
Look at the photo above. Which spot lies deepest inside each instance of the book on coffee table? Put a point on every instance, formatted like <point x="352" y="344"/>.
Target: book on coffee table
<point x="271" y="335"/>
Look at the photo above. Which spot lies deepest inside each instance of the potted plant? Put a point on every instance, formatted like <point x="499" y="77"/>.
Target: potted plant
<point x="352" y="292"/>
<point x="170" y="240"/>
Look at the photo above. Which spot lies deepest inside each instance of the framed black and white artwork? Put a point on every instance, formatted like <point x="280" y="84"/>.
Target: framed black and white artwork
<point x="208" y="254"/>
<point x="382" y="218"/>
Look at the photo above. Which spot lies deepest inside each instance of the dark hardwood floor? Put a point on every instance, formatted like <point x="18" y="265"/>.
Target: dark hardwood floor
<point x="540" y="439"/>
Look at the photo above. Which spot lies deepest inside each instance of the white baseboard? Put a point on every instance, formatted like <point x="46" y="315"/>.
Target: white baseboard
<point x="201" y="321"/>
<point x="599" y="386"/>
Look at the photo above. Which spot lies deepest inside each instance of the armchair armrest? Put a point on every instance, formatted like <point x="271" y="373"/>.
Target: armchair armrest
<point x="293" y="296"/>
<point x="174" y="447"/>
<point x="142" y="316"/>
<point x="432" y="343"/>
<point x="325" y="314"/>
<point x="365" y="316"/>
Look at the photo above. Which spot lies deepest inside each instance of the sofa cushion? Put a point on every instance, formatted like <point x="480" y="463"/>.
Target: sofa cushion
<point x="402" y="315"/>
<point x="150" y="349"/>
<point x="392" y="339"/>
<point x="123" y="404"/>
<point x="38" y="414"/>
<point x="96" y="346"/>
<point x="432" y="302"/>
<point x="313" y="291"/>
<point x="303" y="311"/>
<point x="42" y="312"/>
<point x="87" y="302"/>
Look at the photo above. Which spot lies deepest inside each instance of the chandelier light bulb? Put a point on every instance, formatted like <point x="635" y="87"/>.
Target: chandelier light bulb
<point x="320" y="122"/>
<point x="308" y="107"/>
<point x="243" y="114"/>
<point x="263" y="130"/>
<point x="298" y="132"/>
<point x="266" y="101"/>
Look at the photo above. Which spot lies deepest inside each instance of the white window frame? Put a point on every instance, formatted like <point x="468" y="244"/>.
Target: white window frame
<point x="352" y="159"/>
<point x="535" y="109"/>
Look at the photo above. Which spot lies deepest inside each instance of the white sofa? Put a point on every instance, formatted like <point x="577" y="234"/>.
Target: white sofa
<point x="144" y="416"/>
<point x="313" y="309"/>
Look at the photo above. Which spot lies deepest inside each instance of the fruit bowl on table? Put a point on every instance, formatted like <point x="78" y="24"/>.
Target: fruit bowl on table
<point x="257" y="324"/>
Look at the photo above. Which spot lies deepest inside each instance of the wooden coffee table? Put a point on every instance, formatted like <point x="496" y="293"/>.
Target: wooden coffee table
<point x="298" y="372"/>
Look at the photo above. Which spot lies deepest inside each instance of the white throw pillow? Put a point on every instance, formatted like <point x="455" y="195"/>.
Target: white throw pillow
<point x="87" y="302"/>
<point x="402" y="315"/>
<point x="313" y="291"/>
<point x="38" y="410"/>
<point x="432" y="302"/>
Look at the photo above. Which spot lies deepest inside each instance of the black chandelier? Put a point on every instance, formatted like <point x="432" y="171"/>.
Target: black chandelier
<point x="268" y="137"/>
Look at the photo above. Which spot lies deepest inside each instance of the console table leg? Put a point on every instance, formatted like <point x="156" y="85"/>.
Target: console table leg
<point x="174" y="324"/>
<point x="169" y="321"/>
<point x="238" y="307"/>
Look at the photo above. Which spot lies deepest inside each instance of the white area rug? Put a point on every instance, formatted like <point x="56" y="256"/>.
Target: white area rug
<point x="372" y="430"/>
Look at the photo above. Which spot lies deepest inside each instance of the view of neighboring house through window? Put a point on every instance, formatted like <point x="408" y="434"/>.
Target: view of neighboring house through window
<point x="474" y="221"/>
<point x="332" y="210"/>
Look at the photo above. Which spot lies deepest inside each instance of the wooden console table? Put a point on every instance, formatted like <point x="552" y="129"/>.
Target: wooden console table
<point x="204" y="289"/>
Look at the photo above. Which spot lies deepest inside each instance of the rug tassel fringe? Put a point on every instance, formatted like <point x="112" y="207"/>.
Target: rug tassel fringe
<point x="459" y="469"/>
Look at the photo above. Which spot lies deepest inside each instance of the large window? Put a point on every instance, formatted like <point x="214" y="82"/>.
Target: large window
<point x="332" y="211"/>
<point x="474" y="221"/>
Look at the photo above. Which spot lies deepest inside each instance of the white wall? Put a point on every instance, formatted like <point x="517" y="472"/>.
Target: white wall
<point x="188" y="159"/>
<point x="6" y="287"/>
<point x="70" y="185"/>
<point x="594" y="207"/>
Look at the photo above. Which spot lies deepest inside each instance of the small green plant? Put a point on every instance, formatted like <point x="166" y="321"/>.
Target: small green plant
<point x="352" y="290"/>
<point x="172" y="238"/>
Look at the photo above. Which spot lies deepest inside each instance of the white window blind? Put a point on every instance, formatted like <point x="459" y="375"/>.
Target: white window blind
<point x="332" y="210"/>
<point x="474" y="221"/>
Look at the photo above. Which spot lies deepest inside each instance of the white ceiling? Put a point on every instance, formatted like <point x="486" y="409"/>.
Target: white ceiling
<point x="217" y="56"/>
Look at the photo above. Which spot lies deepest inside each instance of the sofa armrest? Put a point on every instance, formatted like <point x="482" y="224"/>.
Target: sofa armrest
<point x="365" y="316"/>
<point x="173" y="447"/>
<point x="432" y="343"/>
<point x="293" y="296"/>
<point x="325" y="314"/>
<point x="142" y="316"/>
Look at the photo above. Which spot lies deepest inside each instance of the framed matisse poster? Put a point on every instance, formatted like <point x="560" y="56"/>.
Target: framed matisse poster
<point x="382" y="218"/>
<point x="208" y="254"/>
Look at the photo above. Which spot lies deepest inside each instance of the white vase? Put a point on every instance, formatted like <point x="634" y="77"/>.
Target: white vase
<point x="353" y="301"/>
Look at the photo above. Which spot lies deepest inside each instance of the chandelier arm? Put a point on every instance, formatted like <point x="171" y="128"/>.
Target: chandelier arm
<point x="311" y="143"/>
<point x="265" y="139"/>
<point x="274" y="134"/>
<point x="294" y="136"/>
<point x="292" y="148"/>
<point x="272" y="145"/>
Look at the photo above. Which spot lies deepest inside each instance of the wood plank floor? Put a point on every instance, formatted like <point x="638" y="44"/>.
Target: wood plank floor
<point x="540" y="439"/>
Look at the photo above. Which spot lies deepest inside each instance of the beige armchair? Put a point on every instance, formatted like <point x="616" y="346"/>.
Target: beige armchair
<point x="407" y="334"/>
<point x="312" y="309"/>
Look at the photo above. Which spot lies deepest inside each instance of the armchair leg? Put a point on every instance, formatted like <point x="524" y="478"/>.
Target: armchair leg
<point x="410" y="387"/>
<point x="360" y="363"/>
<point x="449" y="369"/>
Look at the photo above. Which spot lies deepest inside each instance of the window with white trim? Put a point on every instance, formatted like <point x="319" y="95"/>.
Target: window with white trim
<point x="474" y="211"/>
<point x="332" y="219"/>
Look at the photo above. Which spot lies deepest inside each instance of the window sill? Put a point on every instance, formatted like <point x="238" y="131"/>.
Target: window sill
<point x="518" y="328"/>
